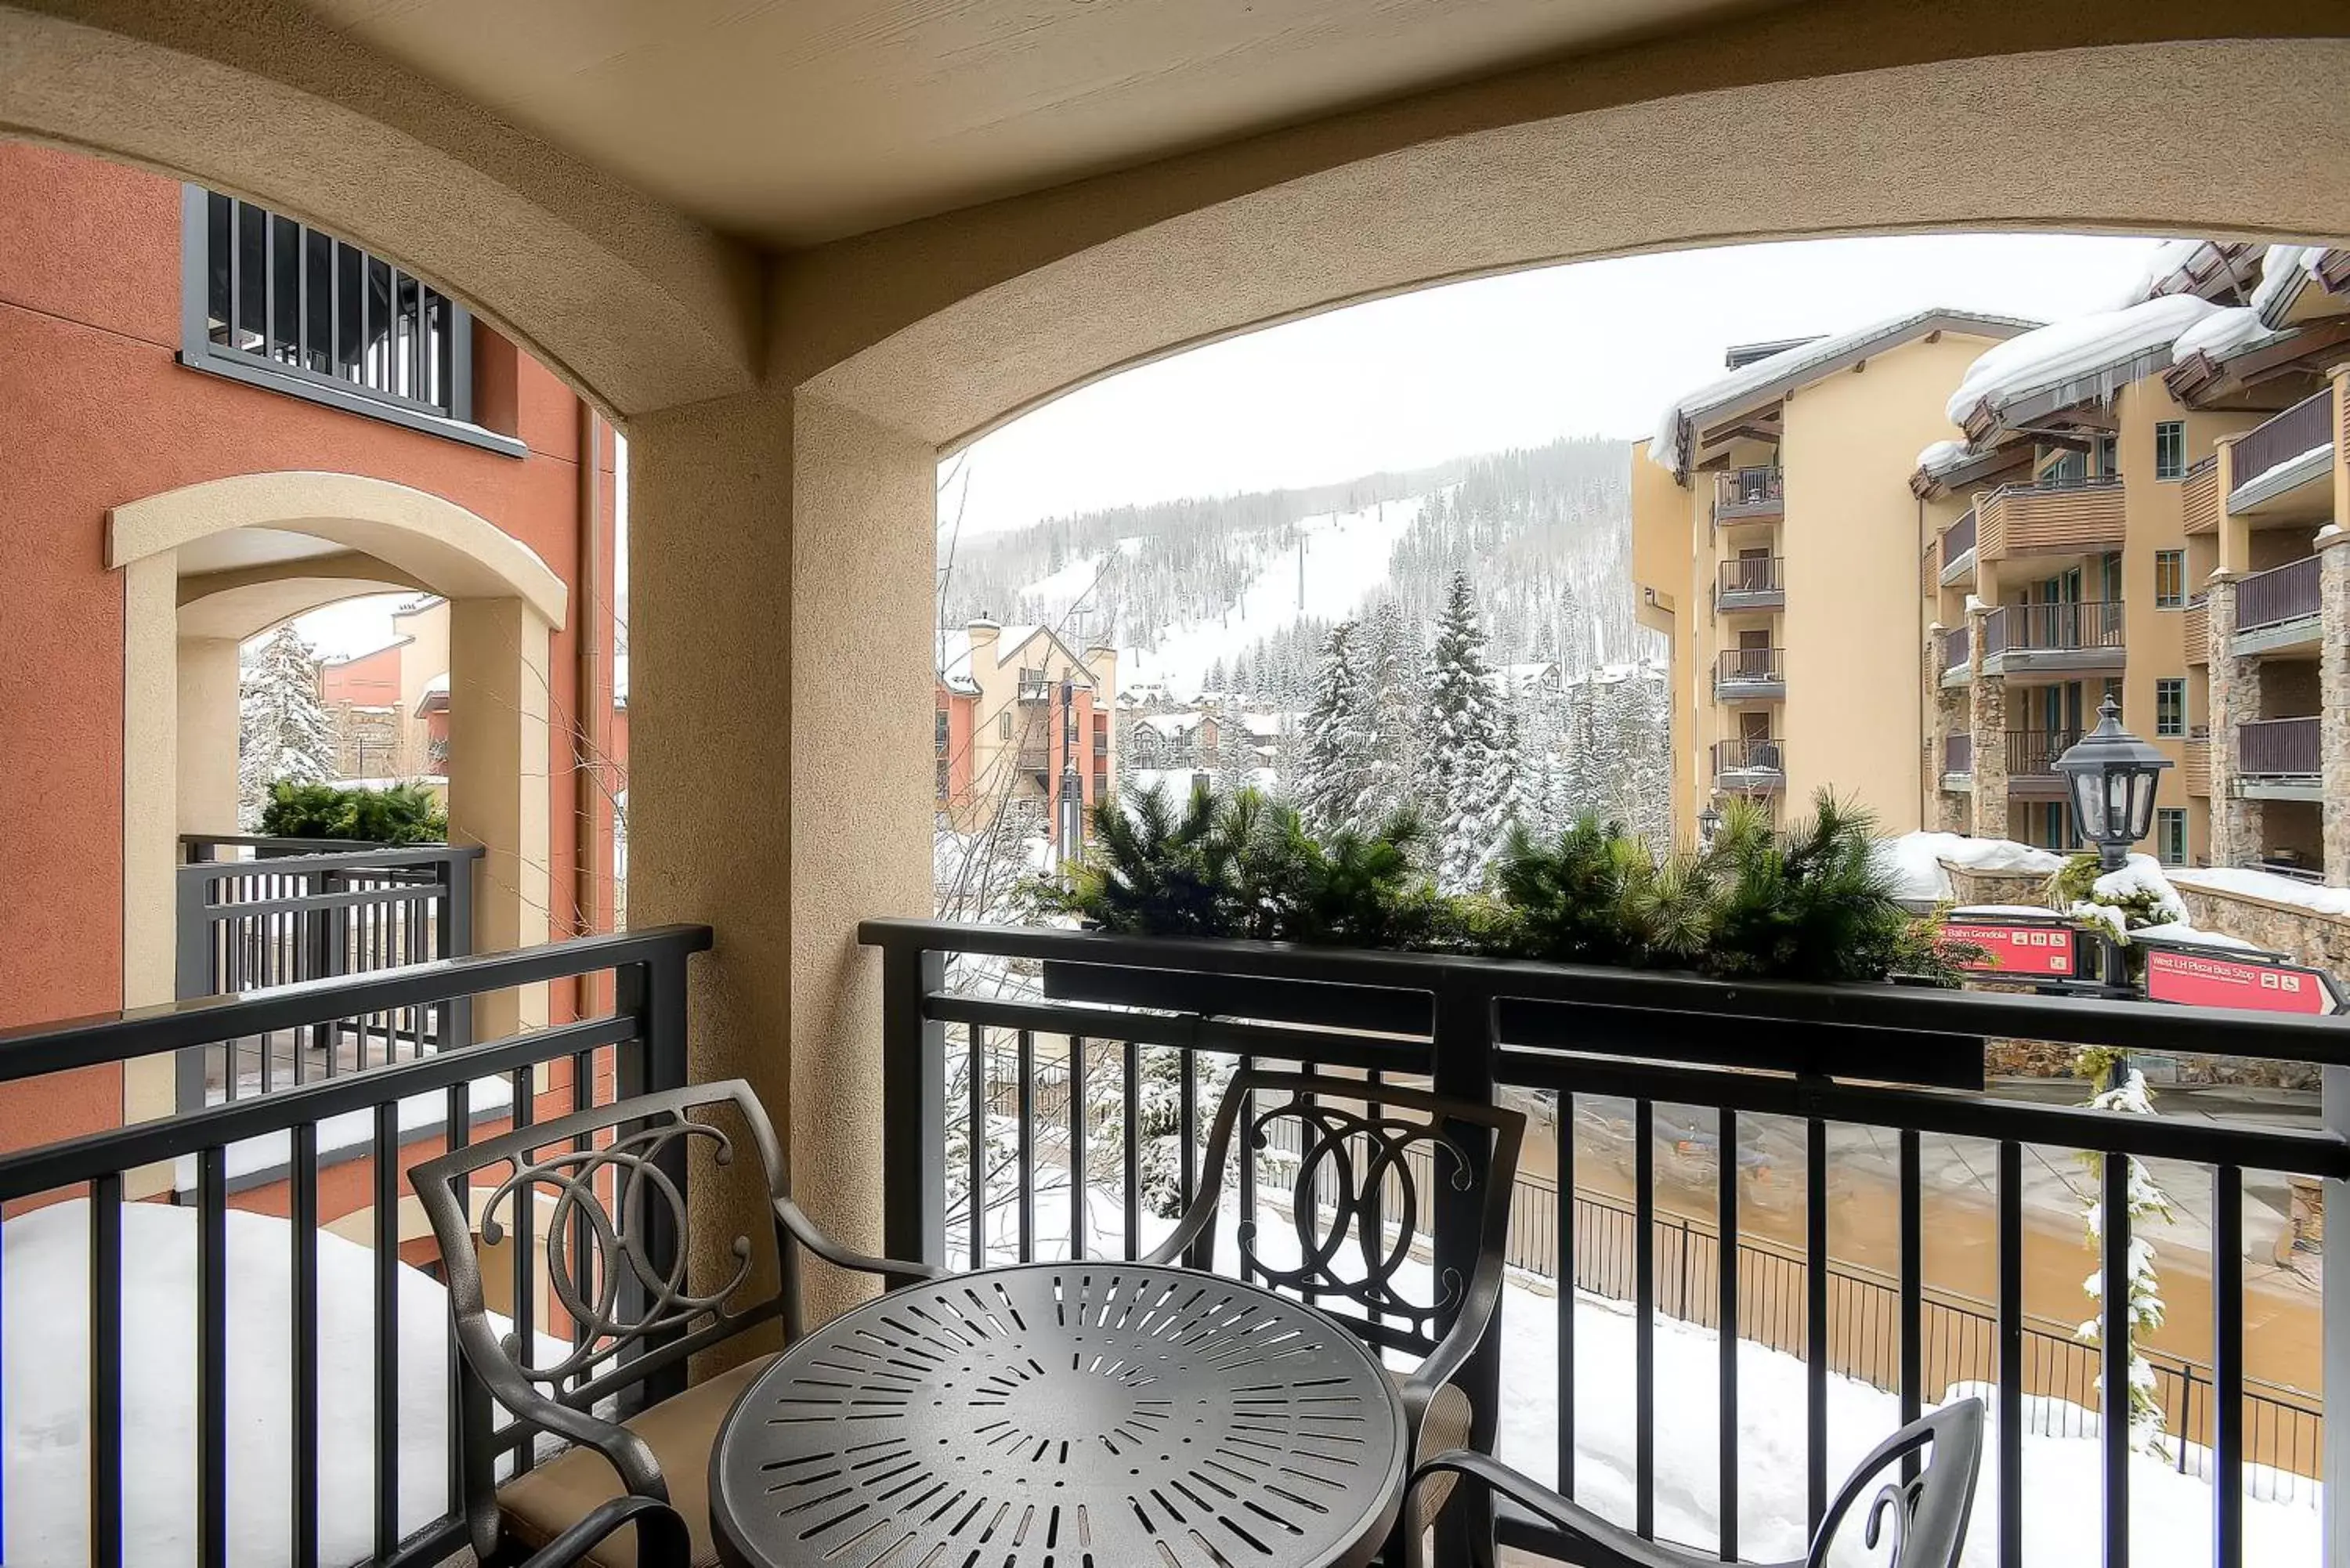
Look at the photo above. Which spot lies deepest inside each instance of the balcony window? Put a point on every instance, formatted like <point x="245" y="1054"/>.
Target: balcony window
<point x="2109" y="460"/>
<point x="2170" y="449"/>
<point x="1004" y="725"/>
<point x="2169" y="579"/>
<point x="277" y="303"/>
<point x="939" y="732"/>
<point x="2170" y="835"/>
<point x="2170" y="705"/>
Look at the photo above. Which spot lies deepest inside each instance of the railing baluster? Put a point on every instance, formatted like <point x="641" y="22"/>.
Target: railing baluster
<point x="212" y="1357"/>
<point x="976" y="1135"/>
<point x="386" y="1153"/>
<point x="1565" y="1277"/>
<point x="2226" y="1368"/>
<point x="1077" y="1129"/>
<point x="2010" y="1354"/>
<point x="2114" y="1326"/>
<point x="1130" y="1118"/>
<point x="302" y="1208"/>
<point x="460" y="1133"/>
<point x="1815" y="1321"/>
<point x="106" y="1372"/>
<point x="1643" y="1321"/>
<point x="1725" y="1284"/>
<point x="1027" y="1169"/>
<point x="522" y="1233"/>
<point x="1913" y="1290"/>
<point x="1247" y="1155"/>
<point x="1188" y="1125"/>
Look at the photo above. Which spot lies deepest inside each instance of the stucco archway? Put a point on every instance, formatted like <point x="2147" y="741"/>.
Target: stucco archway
<point x="189" y="600"/>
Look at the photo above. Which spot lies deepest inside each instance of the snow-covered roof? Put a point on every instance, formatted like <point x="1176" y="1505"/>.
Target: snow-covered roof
<point x="1173" y="726"/>
<point x="1808" y="362"/>
<point x="2224" y="334"/>
<point x="954" y="651"/>
<point x="1941" y="456"/>
<point x="2098" y="344"/>
<point x="2163" y="263"/>
<point x="2284" y="269"/>
<point x="438" y="683"/>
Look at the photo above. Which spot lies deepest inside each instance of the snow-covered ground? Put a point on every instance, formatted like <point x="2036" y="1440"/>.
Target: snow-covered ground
<point x="1915" y="859"/>
<point x="1346" y="560"/>
<point x="2266" y="885"/>
<point x="44" y="1397"/>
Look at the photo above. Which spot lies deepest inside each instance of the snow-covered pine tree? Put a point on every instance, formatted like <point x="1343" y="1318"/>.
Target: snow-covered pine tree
<point x="283" y="732"/>
<point x="2122" y="1087"/>
<point x="1391" y="692"/>
<point x="1334" y="748"/>
<point x="1463" y="733"/>
<point x="1514" y="804"/>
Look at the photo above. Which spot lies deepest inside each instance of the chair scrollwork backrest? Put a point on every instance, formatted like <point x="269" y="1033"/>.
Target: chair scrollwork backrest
<point x="1361" y="1170"/>
<point x="1917" y="1522"/>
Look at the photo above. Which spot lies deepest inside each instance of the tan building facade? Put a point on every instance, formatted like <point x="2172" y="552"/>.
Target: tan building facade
<point x="2134" y="504"/>
<point x="1017" y="708"/>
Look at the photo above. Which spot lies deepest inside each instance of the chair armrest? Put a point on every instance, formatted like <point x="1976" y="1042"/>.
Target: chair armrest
<point x="626" y="1453"/>
<point x="662" y="1538"/>
<point x="1596" y="1543"/>
<point x="804" y="1231"/>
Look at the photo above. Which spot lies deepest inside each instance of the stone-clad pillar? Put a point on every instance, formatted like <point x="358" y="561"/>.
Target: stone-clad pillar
<point x="2334" y="696"/>
<point x="780" y="608"/>
<point x="2237" y="827"/>
<point x="1987" y="720"/>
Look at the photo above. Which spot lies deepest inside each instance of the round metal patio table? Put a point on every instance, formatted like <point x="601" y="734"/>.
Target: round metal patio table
<point x="1074" y="1415"/>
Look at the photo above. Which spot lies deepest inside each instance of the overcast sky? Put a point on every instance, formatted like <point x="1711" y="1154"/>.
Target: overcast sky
<point x="1596" y="348"/>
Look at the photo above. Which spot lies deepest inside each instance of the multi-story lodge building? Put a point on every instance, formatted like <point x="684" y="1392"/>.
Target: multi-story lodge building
<point x="1018" y="707"/>
<point x="2139" y="502"/>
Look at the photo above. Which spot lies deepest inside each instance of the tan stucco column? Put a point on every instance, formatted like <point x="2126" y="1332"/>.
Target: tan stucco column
<point x="781" y="565"/>
<point x="208" y="723"/>
<point x="498" y="743"/>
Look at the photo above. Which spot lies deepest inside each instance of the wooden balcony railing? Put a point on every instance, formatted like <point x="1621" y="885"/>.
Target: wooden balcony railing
<point x="2072" y="518"/>
<point x="2053" y="627"/>
<point x="2279" y="749"/>
<point x="2199" y="496"/>
<point x="2195" y="765"/>
<point x="2195" y="630"/>
<point x="2308" y="424"/>
<point x="2279" y="594"/>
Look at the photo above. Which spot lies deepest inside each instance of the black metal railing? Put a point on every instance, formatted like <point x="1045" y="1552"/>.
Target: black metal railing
<point x="2054" y="627"/>
<point x="1750" y="754"/>
<point x="1958" y="647"/>
<point x="1958" y="752"/>
<point x="2279" y="748"/>
<point x="2279" y="594"/>
<point x="1750" y="665"/>
<point x="2033" y="753"/>
<point x="1752" y="575"/>
<point x="2308" y="424"/>
<point x="1958" y="538"/>
<point x="1749" y="492"/>
<point x="1801" y="1060"/>
<point x="255" y="911"/>
<point x="364" y="1374"/>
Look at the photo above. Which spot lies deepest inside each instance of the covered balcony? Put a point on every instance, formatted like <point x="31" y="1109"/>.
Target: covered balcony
<point x="1751" y="583"/>
<point x="1749" y="675"/>
<point x="1755" y="495"/>
<point x="2277" y="610"/>
<point x="2054" y="638"/>
<point x="1750" y="765"/>
<point x="2074" y="517"/>
<point x="2032" y="761"/>
<point x="1954" y="651"/>
<point x="1958" y="550"/>
<point x="2282" y="469"/>
<point x="2281" y="759"/>
<point x="1959" y="760"/>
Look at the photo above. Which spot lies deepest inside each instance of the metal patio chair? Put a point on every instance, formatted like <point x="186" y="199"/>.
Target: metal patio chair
<point x="613" y="1253"/>
<point x="1917" y="1523"/>
<point x="1373" y="1157"/>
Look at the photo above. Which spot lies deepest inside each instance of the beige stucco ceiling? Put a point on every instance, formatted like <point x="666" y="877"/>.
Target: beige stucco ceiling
<point x="799" y="120"/>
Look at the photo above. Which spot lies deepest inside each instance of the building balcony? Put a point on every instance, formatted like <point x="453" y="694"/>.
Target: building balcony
<point x="1751" y="583"/>
<point x="2281" y="471"/>
<point x="1732" y="1083"/>
<point x="1955" y="649"/>
<point x="2280" y="759"/>
<point x="1750" y="765"/>
<point x="2085" y="636"/>
<point x="2199" y="496"/>
<point x="1959" y="760"/>
<point x="2195" y="761"/>
<point x="1748" y="496"/>
<point x="2032" y="761"/>
<point x="1035" y="691"/>
<point x="1749" y="675"/>
<point x="2195" y="630"/>
<point x="1958" y="550"/>
<point x="2277" y="611"/>
<point x="2077" y="518"/>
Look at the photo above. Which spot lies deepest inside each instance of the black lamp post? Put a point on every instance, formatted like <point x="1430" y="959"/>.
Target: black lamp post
<point x="2109" y="778"/>
<point x="1709" y="822"/>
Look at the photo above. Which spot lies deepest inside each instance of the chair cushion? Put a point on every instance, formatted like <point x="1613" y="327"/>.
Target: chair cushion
<point x="1446" y="1426"/>
<point x="540" y="1505"/>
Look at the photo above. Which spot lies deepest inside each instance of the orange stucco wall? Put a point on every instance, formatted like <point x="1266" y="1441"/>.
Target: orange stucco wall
<point x="96" y="411"/>
<point x="370" y="680"/>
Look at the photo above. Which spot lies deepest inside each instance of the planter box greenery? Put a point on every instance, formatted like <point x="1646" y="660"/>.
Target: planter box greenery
<point x="400" y="813"/>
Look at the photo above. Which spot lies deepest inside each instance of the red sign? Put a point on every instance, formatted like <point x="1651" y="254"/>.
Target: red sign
<point x="2011" y="947"/>
<point x="2199" y="980"/>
